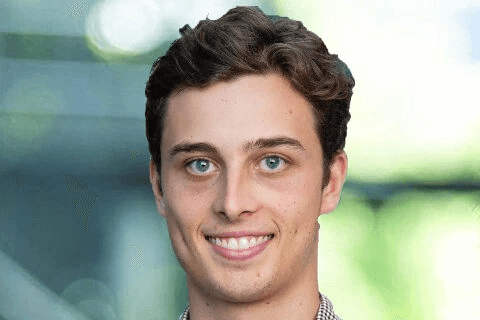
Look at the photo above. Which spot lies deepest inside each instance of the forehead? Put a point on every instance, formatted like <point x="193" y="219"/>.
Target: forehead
<point x="229" y="113"/>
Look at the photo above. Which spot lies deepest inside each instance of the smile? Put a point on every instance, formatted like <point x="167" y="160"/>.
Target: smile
<point x="242" y="248"/>
<point x="239" y="243"/>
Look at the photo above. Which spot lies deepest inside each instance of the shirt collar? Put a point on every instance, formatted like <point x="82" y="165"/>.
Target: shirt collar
<point x="325" y="311"/>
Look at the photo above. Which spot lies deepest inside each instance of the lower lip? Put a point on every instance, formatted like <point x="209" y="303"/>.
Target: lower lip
<point x="239" y="255"/>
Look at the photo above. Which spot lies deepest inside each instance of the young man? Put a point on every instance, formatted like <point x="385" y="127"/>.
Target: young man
<point x="246" y="120"/>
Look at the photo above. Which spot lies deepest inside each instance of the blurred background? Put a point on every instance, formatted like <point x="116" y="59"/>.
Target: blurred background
<point x="79" y="234"/>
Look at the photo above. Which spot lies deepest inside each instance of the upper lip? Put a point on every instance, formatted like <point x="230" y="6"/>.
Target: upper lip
<point x="239" y="234"/>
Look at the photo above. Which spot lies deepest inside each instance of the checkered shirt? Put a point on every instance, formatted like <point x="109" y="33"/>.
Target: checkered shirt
<point x="325" y="311"/>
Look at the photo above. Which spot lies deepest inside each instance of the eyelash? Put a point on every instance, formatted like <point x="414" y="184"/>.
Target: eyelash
<point x="286" y="163"/>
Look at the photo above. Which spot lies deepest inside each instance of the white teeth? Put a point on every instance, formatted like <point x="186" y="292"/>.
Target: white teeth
<point x="233" y="244"/>
<point x="243" y="243"/>
<point x="239" y="243"/>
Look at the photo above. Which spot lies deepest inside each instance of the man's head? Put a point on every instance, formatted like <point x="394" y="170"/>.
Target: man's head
<point x="246" y="122"/>
<point x="246" y="41"/>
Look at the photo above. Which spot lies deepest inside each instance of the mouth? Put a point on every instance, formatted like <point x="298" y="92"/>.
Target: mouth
<point x="239" y="243"/>
<point x="242" y="248"/>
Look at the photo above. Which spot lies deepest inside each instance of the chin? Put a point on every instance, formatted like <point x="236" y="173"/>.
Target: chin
<point x="241" y="291"/>
<point x="244" y="296"/>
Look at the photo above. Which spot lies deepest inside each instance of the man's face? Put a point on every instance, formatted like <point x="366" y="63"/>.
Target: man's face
<point x="242" y="168"/>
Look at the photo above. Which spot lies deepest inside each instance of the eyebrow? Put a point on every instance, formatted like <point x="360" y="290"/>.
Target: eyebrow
<point x="261" y="143"/>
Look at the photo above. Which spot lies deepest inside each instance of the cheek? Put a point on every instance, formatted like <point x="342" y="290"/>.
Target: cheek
<point x="297" y="206"/>
<point x="183" y="226"/>
<point x="185" y="208"/>
<point x="298" y="195"/>
<point x="183" y="216"/>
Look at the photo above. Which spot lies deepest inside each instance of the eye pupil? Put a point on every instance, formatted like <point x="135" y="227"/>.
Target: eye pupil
<point x="202" y="165"/>
<point x="273" y="162"/>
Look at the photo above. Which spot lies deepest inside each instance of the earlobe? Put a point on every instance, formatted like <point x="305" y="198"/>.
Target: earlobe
<point x="331" y="193"/>
<point x="154" y="181"/>
<point x="161" y="207"/>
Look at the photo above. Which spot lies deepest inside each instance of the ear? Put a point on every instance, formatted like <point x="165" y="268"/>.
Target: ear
<point x="331" y="192"/>
<point x="155" y="181"/>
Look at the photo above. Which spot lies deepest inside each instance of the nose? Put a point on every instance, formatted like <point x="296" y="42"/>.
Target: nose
<point x="235" y="196"/>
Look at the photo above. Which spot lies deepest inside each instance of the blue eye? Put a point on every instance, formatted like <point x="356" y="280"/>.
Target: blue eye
<point x="200" y="166"/>
<point x="273" y="163"/>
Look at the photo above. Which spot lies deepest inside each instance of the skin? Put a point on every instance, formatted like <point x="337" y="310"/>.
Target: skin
<point x="240" y="191"/>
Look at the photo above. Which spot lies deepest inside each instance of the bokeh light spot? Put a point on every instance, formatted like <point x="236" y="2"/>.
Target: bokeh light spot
<point x="123" y="26"/>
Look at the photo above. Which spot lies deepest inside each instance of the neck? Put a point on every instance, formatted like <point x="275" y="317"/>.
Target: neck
<point x="299" y="300"/>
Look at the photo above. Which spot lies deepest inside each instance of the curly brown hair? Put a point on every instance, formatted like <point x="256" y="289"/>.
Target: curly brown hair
<point x="246" y="41"/>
